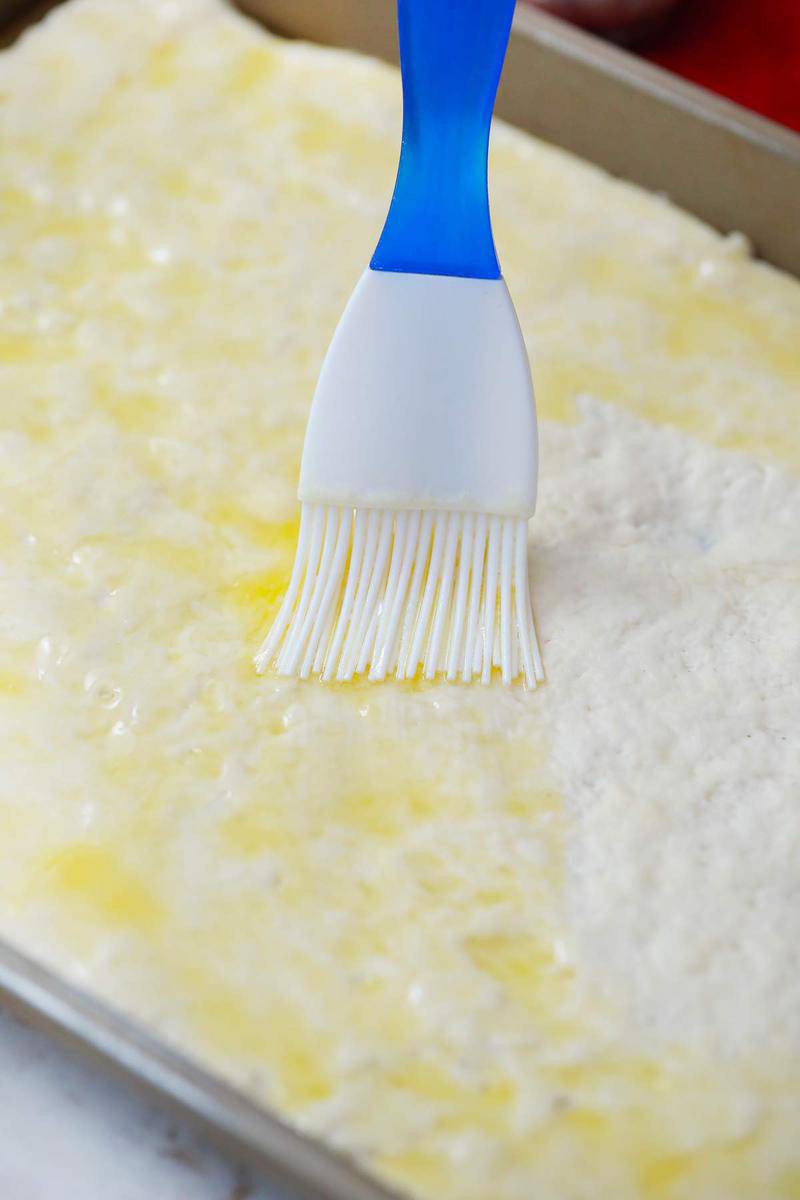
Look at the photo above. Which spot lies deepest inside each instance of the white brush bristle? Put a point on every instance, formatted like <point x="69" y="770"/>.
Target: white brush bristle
<point x="392" y="593"/>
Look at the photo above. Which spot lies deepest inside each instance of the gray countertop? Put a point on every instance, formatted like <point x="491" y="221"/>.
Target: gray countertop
<point x="68" y="1131"/>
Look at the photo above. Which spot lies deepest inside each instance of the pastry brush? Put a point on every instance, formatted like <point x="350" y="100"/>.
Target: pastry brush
<point x="419" y="467"/>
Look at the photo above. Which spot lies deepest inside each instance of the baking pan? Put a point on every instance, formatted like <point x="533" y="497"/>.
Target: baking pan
<point x="734" y="170"/>
<point x="16" y="15"/>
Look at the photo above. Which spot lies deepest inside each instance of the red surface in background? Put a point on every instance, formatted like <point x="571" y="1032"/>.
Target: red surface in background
<point x="747" y="50"/>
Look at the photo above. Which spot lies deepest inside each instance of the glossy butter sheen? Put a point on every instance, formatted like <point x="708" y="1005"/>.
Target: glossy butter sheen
<point x="492" y="943"/>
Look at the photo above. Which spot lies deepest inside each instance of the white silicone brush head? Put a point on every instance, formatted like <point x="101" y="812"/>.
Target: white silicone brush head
<point x="417" y="481"/>
<point x="384" y="592"/>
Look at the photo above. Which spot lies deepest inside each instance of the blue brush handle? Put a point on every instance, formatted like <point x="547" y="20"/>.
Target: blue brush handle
<point x="451" y="55"/>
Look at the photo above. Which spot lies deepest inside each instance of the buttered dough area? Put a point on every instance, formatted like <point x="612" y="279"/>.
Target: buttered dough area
<point x="494" y="944"/>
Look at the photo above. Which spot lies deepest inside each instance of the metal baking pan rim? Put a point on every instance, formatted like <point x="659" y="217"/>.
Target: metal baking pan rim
<point x="236" y="1123"/>
<point x="643" y="75"/>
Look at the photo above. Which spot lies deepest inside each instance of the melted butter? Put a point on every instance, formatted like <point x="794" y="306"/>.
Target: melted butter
<point x="107" y="890"/>
<point x="14" y="202"/>
<point x="259" y="595"/>
<point x="12" y="684"/>
<point x="277" y="536"/>
<point x="277" y="1036"/>
<point x="166" y="554"/>
<point x="790" y="1185"/>
<point x="162" y="69"/>
<point x="663" y="321"/>
<point x="251" y="71"/>
<point x="132" y="412"/>
<point x="529" y="972"/>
